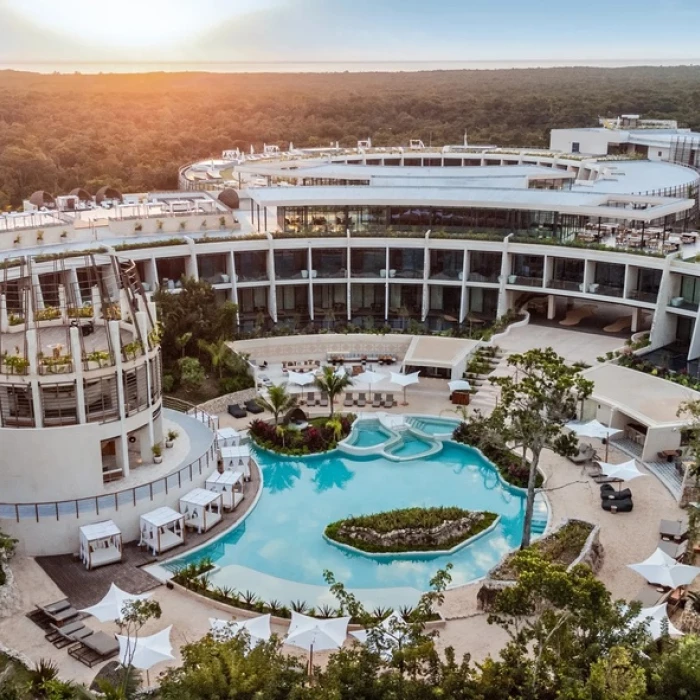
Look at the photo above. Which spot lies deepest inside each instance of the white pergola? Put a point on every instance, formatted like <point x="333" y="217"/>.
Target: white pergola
<point x="237" y="458"/>
<point x="202" y="509"/>
<point x="229" y="484"/>
<point x="100" y="544"/>
<point x="162" y="529"/>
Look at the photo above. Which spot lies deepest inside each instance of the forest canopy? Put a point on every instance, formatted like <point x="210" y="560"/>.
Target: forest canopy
<point x="58" y="132"/>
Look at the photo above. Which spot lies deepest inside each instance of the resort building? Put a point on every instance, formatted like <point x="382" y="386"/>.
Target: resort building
<point x="415" y="239"/>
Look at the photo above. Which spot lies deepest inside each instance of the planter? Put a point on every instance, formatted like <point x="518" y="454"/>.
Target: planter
<point x="169" y="443"/>
<point x="157" y="460"/>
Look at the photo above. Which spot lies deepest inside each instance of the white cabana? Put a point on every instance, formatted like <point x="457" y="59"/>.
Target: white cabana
<point x="459" y="385"/>
<point x="162" y="529"/>
<point x="202" y="509"/>
<point x="404" y="380"/>
<point x="111" y="607"/>
<point x="229" y="484"/>
<point x="237" y="458"/>
<point x="100" y="544"/>
<point x="227" y="437"/>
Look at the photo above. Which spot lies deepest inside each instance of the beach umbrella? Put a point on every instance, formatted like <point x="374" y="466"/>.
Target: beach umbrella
<point x="316" y="635"/>
<point x="302" y="379"/>
<point x="369" y="377"/>
<point x="459" y="385"/>
<point x="145" y="652"/>
<point x="112" y="605"/>
<point x="594" y="429"/>
<point x="656" y="619"/>
<point x="387" y="636"/>
<point x="258" y="628"/>
<point x="663" y="570"/>
<point x="621" y="472"/>
<point x="404" y="380"/>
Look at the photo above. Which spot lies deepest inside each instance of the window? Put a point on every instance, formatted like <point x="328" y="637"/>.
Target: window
<point x="575" y="147"/>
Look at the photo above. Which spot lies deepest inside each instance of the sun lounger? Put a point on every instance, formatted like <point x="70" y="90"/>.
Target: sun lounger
<point x="377" y="401"/>
<point x="389" y="401"/>
<point x="618" y="506"/>
<point x="674" y="529"/>
<point x="64" y="636"/>
<point x="585" y="454"/>
<point x="236" y="411"/>
<point x="94" y="649"/>
<point x="60" y="612"/>
<point x="361" y="399"/>
<point x="648" y="596"/>
<point x="610" y="493"/>
<point x="324" y="400"/>
<point x="253" y="406"/>
<point x="575" y="316"/>
<point x="622" y="323"/>
<point x="311" y="399"/>
<point x="675" y="550"/>
<point x="349" y="399"/>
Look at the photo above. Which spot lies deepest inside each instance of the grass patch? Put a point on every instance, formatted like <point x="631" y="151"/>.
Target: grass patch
<point x="561" y="547"/>
<point x="410" y="529"/>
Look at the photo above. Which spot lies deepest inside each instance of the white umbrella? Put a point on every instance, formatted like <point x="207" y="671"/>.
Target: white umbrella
<point x="258" y="628"/>
<point x="621" y="472"/>
<point x="656" y="618"/>
<point x="369" y="377"/>
<point x="111" y="607"/>
<point x="301" y="378"/>
<point x="459" y="385"/>
<point x="316" y="635"/>
<point x="145" y="652"/>
<point x="404" y="380"/>
<point x="387" y="636"/>
<point x="663" y="570"/>
<point x="594" y="429"/>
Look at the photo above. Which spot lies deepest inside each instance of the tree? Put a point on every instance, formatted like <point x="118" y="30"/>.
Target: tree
<point x="332" y="383"/>
<point x="676" y="673"/>
<point x="278" y="401"/>
<point x="534" y="406"/>
<point x="135" y="614"/>
<point x="181" y="342"/>
<point x="191" y="373"/>
<point x="218" y="353"/>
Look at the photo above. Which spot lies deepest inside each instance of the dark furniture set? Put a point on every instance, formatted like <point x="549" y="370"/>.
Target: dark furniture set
<point x="252" y="406"/>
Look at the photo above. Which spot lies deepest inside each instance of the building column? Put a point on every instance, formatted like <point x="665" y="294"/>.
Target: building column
<point x="32" y="350"/>
<point x="4" y="318"/>
<point x="635" y="319"/>
<point x="551" y="307"/>
<point x="122" y="443"/>
<point x="502" y="307"/>
<point x="76" y="352"/>
<point x="142" y="322"/>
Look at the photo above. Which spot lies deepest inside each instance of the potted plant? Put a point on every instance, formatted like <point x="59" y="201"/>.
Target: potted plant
<point x="157" y="450"/>
<point x="39" y="236"/>
<point x="171" y="437"/>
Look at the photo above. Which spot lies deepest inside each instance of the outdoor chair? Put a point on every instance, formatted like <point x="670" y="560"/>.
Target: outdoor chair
<point x="311" y="398"/>
<point x="377" y="401"/>
<point x="674" y="529"/>
<point x="349" y="399"/>
<point x="236" y="411"/>
<point x="618" y="506"/>
<point x="324" y="400"/>
<point x="64" y="636"/>
<point x="59" y="613"/>
<point x="585" y="454"/>
<point x="389" y="401"/>
<point x="610" y="493"/>
<point x="252" y="406"/>
<point x="94" y="649"/>
<point x="674" y="550"/>
<point x="361" y="399"/>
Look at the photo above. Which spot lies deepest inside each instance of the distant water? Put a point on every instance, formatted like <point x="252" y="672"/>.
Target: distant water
<point x="328" y="66"/>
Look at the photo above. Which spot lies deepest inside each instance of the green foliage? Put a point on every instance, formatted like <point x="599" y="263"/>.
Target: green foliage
<point x="411" y="519"/>
<point x="191" y="373"/>
<point x="332" y="384"/>
<point x="278" y="401"/>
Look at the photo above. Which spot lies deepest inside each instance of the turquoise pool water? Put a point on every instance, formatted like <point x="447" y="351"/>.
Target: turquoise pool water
<point x="409" y="446"/>
<point x="435" y="426"/>
<point x="281" y="542"/>
<point x="368" y="434"/>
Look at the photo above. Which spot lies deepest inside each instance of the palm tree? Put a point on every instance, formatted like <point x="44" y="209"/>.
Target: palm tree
<point x="181" y="342"/>
<point x="332" y="383"/>
<point x="218" y="353"/>
<point x="278" y="401"/>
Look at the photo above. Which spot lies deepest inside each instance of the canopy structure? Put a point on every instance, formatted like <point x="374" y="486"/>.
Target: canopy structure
<point x="162" y="529"/>
<point x="405" y="380"/>
<point x="237" y="458"/>
<point x="145" y="652"/>
<point x="316" y="635"/>
<point x="100" y="544"/>
<point x="663" y="570"/>
<point x="387" y="636"/>
<point x="229" y="484"/>
<point x="111" y="607"/>
<point x="227" y="437"/>
<point x="591" y="428"/>
<point x="202" y="509"/>
<point x="621" y="472"/>
<point x="368" y="377"/>
<point x="656" y="619"/>
<point x="257" y="628"/>
<point x="459" y="385"/>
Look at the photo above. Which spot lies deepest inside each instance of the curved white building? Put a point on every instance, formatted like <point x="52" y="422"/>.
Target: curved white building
<point x="373" y="237"/>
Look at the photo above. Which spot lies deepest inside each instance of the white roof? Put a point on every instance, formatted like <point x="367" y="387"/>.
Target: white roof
<point x="228" y="476"/>
<point x="162" y="516"/>
<point x="431" y="351"/>
<point x="99" y="531"/>
<point x="200" y="497"/>
<point x="647" y="399"/>
<point x="235" y="451"/>
<point x="227" y="433"/>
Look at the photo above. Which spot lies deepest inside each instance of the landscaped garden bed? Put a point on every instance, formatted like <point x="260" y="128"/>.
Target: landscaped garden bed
<point x="410" y="530"/>
<point x="321" y="435"/>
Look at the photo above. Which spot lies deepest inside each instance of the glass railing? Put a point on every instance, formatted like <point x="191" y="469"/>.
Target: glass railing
<point x="567" y="285"/>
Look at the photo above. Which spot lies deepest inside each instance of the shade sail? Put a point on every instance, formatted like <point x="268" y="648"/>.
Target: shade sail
<point x="301" y="378"/>
<point x="146" y="652"/>
<point x="663" y="570"/>
<point x="656" y="619"/>
<point x="258" y="628"/>
<point x="111" y="607"/>
<point x="626" y="471"/>
<point x="591" y="428"/>
<point x="369" y="377"/>
<point x="404" y="380"/>
<point x="317" y="635"/>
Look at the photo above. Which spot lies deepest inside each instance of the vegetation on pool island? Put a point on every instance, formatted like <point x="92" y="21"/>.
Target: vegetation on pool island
<point x="321" y="435"/>
<point x="410" y="529"/>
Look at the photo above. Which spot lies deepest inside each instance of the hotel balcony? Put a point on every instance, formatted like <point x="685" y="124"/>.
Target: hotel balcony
<point x="291" y="264"/>
<point x="368" y="263"/>
<point x="566" y="285"/>
<point x="446" y="264"/>
<point x="406" y="264"/>
<point x="251" y="266"/>
<point x="331" y="263"/>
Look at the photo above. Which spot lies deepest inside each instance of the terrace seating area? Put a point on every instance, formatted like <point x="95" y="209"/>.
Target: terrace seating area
<point x="339" y="358"/>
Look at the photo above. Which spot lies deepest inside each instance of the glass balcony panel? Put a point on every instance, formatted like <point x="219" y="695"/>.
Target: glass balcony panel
<point x="329" y="263"/>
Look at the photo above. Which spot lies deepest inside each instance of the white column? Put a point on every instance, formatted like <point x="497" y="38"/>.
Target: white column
<point x="272" y="289"/>
<point x="502" y="307"/>
<point x="122" y="441"/>
<point x="635" y="319"/>
<point x="96" y="303"/>
<point x="32" y="351"/>
<point x="4" y="318"/>
<point x="38" y="294"/>
<point x="191" y="267"/>
<point x="63" y="308"/>
<point x="142" y="322"/>
<point x="426" y="277"/>
<point x="77" y="354"/>
<point x="551" y="307"/>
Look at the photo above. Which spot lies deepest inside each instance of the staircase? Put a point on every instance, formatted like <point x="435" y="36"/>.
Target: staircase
<point x="486" y="361"/>
<point x="539" y="517"/>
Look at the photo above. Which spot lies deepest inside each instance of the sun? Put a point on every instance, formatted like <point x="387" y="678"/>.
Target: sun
<point x="127" y="24"/>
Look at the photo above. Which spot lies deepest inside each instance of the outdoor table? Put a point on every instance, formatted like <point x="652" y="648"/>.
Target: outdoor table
<point x="647" y="596"/>
<point x="674" y="529"/>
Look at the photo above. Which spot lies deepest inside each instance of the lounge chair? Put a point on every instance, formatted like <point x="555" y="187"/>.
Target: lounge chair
<point x="324" y="400"/>
<point x="64" y="636"/>
<point x="389" y="401"/>
<point x="349" y="399"/>
<point x="648" y="596"/>
<point x="311" y="399"/>
<point x="95" y="648"/>
<point x="674" y="550"/>
<point x="252" y="406"/>
<point x="575" y="316"/>
<point x="361" y="399"/>
<point x="236" y="411"/>
<point x="610" y="493"/>
<point x="585" y="454"/>
<point x="59" y="613"/>
<point x="674" y="529"/>
<point x="377" y="401"/>
<point x="622" y="324"/>
<point x="618" y="506"/>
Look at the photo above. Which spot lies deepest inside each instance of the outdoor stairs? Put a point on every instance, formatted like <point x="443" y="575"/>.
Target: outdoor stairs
<point x="539" y="517"/>
<point x="485" y="397"/>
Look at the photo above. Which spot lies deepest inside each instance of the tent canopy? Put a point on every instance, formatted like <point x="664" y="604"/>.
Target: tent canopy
<point x="405" y="379"/>
<point x="162" y="516"/>
<point x="111" y="607"/>
<point x="146" y="652"/>
<point x="200" y="497"/>
<point x="236" y="451"/>
<point x="99" y="531"/>
<point x="226" y="478"/>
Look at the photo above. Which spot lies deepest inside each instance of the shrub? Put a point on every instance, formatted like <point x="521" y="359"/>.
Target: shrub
<point x="320" y="436"/>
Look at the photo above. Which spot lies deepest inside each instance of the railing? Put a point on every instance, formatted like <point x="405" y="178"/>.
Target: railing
<point x="98" y="505"/>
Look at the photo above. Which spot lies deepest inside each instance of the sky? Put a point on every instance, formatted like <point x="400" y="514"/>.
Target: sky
<point x="48" y="31"/>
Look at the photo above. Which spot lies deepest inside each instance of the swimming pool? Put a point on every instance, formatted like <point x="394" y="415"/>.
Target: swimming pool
<point x="434" y="426"/>
<point x="279" y="551"/>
